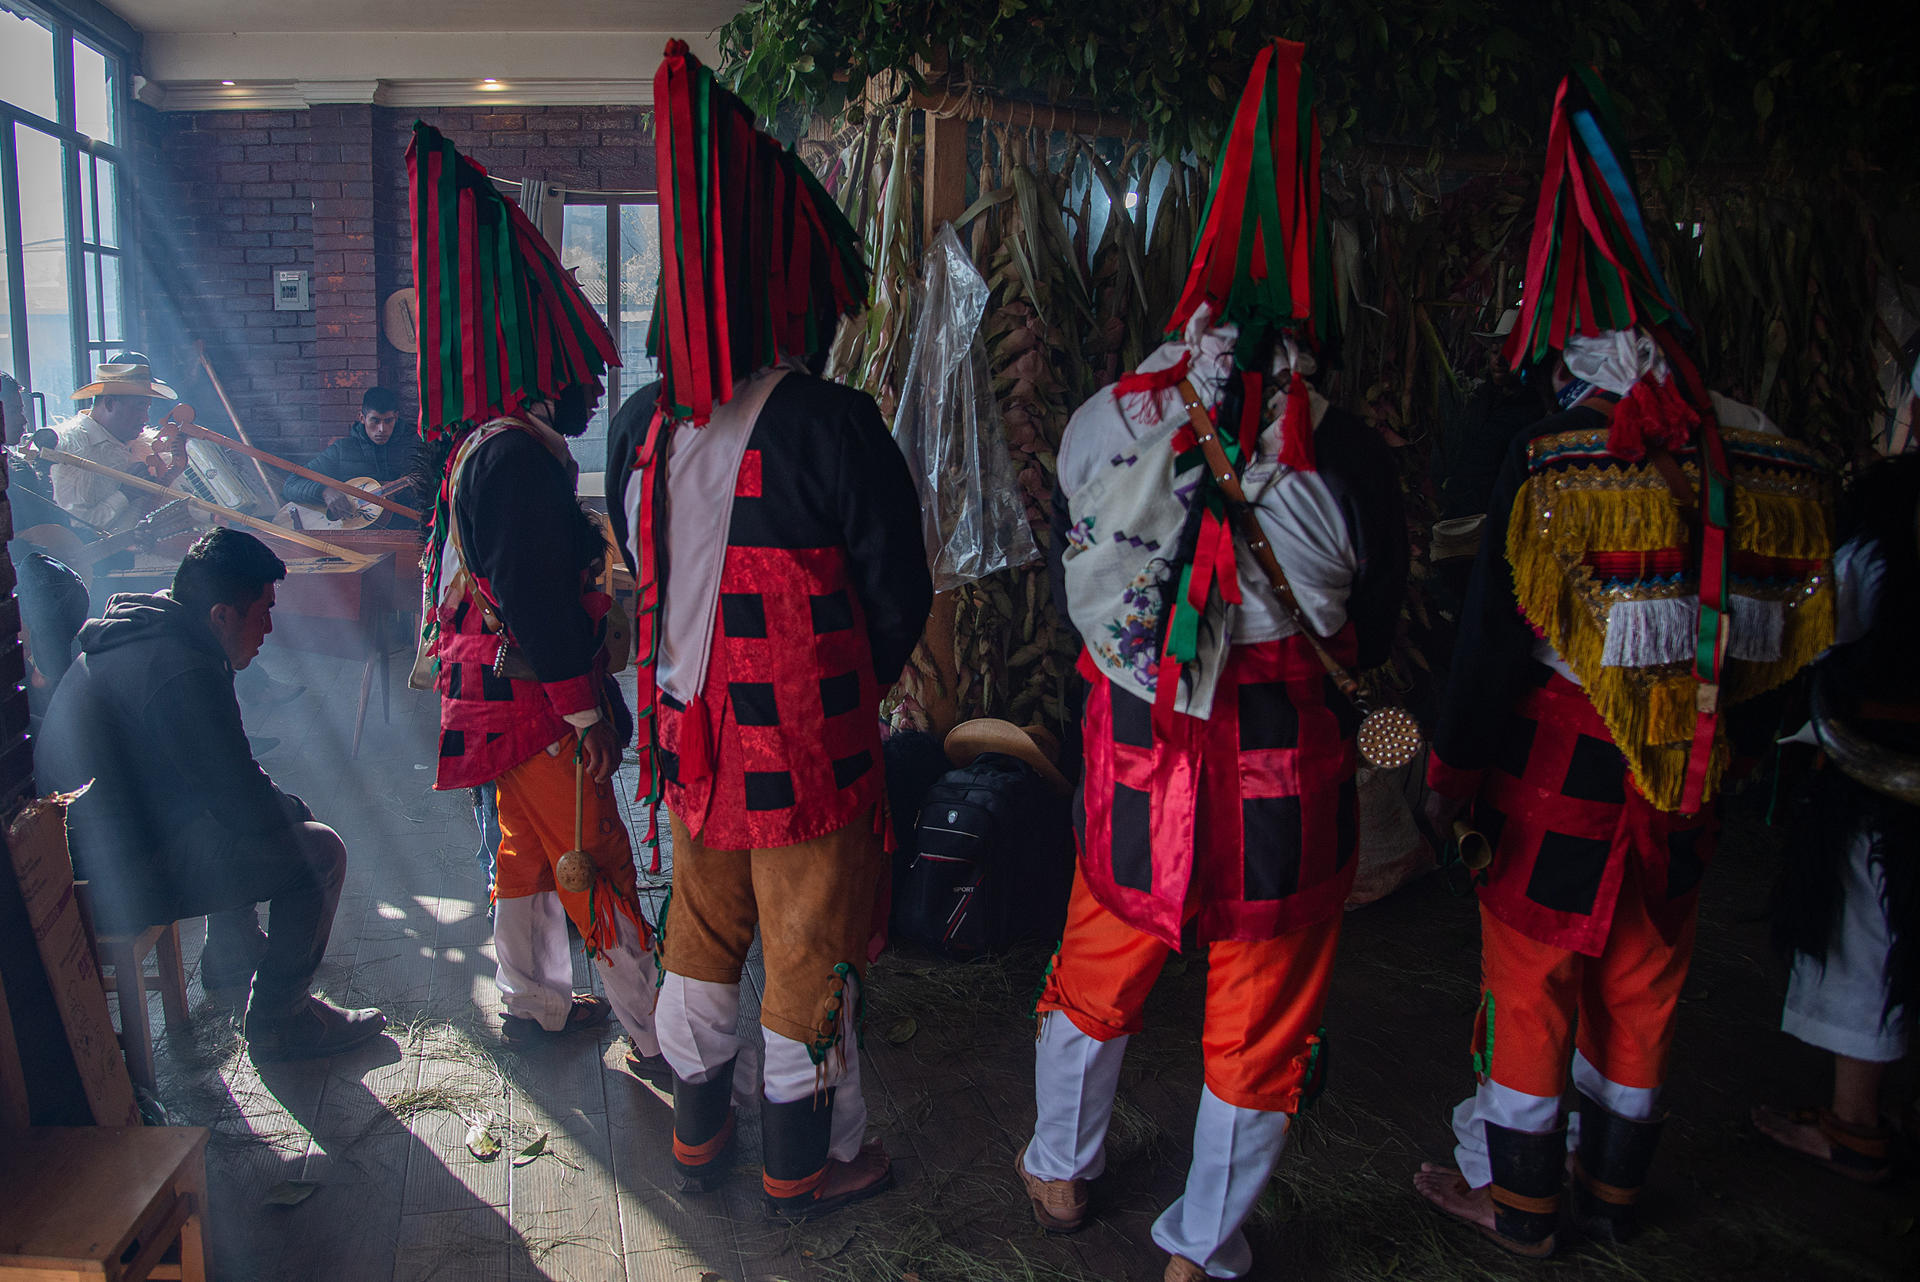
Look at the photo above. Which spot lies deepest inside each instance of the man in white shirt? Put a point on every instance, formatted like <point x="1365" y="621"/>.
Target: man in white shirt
<point x="104" y="433"/>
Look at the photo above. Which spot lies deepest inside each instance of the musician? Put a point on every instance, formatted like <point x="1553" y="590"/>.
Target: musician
<point x="104" y="433"/>
<point x="180" y="821"/>
<point x="374" y="446"/>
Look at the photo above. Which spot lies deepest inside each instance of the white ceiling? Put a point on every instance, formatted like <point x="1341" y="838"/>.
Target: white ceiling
<point x="209" y="16"/>
<point x="233" y="54"/>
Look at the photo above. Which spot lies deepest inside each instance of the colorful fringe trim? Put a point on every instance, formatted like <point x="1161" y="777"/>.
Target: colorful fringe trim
<point x="1263" y="259"/>
<point x="758" y="263"/>
<point x="1579" y="505"/>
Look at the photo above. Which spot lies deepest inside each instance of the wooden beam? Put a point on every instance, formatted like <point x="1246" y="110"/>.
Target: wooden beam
<point x="300" y="537"/>
<point x="261" y="456"/>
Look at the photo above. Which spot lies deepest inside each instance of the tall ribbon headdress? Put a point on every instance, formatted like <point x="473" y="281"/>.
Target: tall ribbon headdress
<point x="500" y="319"/>
<point x="758" y="265"/>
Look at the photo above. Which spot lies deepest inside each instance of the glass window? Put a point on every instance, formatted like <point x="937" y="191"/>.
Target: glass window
<point x="44" y="253"/>
<point x="106" y="177"/>
<point x="93" y="93"/>
<point x="26" y="64"/>
<point x="639" y="279"/>
<point x="583" y="248"/>
<point x="105" y="277"/>
<point x="6" y="297"/>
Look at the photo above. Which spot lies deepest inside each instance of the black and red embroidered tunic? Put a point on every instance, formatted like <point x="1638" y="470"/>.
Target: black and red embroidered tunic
<point x="823" y="595"/>
<point x="529" y="548"/>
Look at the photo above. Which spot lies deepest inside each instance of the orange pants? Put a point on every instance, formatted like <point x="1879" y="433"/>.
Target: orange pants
<point x="536" y="801"/>
<point x="1539" y="1001"/>
<point x="1264" y="997"/>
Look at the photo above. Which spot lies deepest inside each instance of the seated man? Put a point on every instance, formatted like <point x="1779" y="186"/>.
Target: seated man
<point x="374" y="446"/>
<point x="180" y="820"/>
<point x="104" y="433"/>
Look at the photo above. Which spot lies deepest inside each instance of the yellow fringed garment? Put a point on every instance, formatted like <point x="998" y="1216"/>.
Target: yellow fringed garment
<point x="1578" y="500"/>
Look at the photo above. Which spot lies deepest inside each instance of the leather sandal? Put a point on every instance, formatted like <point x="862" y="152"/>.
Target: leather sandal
<point x="842" y="1184"/>
<point x="1059" y="1206"/>
<point x="1860" y="1153"/>
<point x="589" y="1010"/>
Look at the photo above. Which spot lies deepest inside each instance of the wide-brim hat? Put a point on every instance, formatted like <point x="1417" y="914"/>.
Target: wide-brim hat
<point x="1034" y="745"/>
<point x="113" y="379"/>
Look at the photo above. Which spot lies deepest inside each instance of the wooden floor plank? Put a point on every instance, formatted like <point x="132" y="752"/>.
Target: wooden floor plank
<point x="560" y="1207"/>
<point x="456" y="1246"/>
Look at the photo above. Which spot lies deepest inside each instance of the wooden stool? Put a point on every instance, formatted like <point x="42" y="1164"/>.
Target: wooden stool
<point x="123" y="971"/>
<point x="104" y="1202"/>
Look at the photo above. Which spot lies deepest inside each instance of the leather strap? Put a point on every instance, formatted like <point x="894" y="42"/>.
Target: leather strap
<point x="1255" y="537"/>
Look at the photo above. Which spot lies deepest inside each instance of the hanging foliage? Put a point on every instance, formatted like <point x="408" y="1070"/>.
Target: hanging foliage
<point x="1812" y="86"/>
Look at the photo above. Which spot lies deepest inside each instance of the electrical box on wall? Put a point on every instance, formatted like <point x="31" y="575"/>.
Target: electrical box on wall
<point x="290" y="292"/>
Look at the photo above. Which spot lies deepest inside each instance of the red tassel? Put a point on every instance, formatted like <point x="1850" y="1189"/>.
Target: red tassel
<point x="1296" y="428"/>
<point x="1653" y="414"/>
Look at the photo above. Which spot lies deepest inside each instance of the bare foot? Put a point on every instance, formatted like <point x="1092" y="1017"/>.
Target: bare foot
<point x="1788" y="1131"/>
<point x="1447" y="1189"/>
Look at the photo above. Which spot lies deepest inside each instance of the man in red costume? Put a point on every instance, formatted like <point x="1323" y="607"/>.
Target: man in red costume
<point x="515" y="630"/>
<point x="1219" y="789"/>
<point x="775" y="534"/>
<point x="1622" y="603"/>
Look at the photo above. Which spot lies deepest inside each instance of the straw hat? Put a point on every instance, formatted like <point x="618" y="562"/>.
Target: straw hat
<point x="1034" y="745"/>
<point x="1457" y="537"/>
<point x="129" y="375"/>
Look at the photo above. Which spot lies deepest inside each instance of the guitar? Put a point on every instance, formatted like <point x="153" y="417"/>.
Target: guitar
<point x="63" y="545"/>
<point x="362" y="516"/>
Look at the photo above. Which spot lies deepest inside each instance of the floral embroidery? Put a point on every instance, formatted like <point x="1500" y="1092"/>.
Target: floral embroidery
<point x="1132" y="639"/>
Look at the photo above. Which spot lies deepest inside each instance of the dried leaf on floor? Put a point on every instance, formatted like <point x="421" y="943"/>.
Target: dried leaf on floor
<point x="828" y="1244"/>
<point x="482" y="1143"/>
<point x="903" y="1030"/>
<point x="531" y="1151"/>
<point x="290" y="1192"/>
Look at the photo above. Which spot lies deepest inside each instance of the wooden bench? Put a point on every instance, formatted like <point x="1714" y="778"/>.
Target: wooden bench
<point x="104" y="1203"/>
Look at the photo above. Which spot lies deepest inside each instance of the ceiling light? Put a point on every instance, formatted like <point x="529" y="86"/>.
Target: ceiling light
<point x="489" y="81"/>
<point x="227" y="83"/>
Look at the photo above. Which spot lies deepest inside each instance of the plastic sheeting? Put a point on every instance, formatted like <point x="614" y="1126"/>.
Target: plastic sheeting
<point x="949" y="428"/>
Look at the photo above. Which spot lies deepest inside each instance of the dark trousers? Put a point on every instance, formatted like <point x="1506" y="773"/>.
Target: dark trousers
<point x="297" y="872"/>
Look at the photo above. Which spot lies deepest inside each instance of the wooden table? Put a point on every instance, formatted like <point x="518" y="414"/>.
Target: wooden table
<point x="324" y="606"/>
<point x="104" y="1202"/>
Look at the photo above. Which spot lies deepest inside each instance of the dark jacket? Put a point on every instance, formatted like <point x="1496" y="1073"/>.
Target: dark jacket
<point x="355" y="455"/>
<point x="835" y="477"/>
<point x="147" y="712"/>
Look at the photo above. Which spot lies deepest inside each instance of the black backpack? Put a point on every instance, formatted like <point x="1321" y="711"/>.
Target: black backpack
<point x="992" y="861"/>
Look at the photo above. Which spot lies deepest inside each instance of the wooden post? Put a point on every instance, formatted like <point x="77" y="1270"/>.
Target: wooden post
<point x="944" y="194"/>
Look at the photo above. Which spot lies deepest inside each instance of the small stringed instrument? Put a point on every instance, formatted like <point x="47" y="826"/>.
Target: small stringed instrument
<point x="360" y="516"/>
<point x="63" y="545"/>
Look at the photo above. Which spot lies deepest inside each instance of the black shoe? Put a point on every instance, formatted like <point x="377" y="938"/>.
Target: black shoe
<point x="589" y="1010"/>
<point x="317" y="1030"/>
<point x="267" y="693"/>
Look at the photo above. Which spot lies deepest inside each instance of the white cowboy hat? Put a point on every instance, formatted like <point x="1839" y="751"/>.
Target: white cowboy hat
<point x="1034" y="745"/>
<point x="131" y="375"/>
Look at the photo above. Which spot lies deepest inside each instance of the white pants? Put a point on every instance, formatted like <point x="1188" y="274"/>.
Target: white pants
<point x="536" y="968"/>
<point x="1842" y="1006"/>
<point x="698" y="1023"/>
<point x="1519" y="1111"/>
<point x="1234" y="1149"/>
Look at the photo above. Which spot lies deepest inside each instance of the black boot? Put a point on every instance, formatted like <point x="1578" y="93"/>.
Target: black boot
<point x="794" y="1137"/>
<point x="801" y="1182"/>
<point x="702" y="1130"/>
<point x="1528" y="1167"/>
<point x="1610" y="1169"/>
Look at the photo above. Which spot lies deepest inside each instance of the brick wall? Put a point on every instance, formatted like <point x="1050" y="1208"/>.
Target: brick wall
<point x="224" y="198"/>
